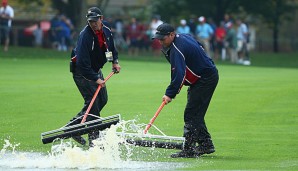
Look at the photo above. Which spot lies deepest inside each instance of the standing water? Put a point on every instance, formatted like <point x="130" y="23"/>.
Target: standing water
<point x="109" y="153"/>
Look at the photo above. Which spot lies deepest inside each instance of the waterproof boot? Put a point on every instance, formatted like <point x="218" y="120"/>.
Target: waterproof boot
<point x="92" y="136"/>
<point x="205" y="147"/>
<point x="188" y="149"/>
<point x="79" y="140"/>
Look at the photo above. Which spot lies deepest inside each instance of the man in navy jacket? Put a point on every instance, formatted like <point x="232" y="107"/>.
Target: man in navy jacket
<point x="94" y="48"/>
<point x="190" y="66"/>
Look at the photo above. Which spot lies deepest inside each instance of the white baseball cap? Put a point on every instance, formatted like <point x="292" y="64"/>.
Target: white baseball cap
<point x="201" y="19"/>
<point x="183" y="22"/>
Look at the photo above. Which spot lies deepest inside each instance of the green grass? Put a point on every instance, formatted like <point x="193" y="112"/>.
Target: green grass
<point x="253" y="116"/>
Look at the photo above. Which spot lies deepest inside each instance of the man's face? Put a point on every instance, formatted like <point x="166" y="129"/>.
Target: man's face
<point x="167" y="40"/>
<point x="96" y="25"/>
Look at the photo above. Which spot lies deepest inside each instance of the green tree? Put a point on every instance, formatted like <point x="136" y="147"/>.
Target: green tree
<point x="272" y="12"/>
<point x="74" y="9"/>
<point x="171" y="9"/>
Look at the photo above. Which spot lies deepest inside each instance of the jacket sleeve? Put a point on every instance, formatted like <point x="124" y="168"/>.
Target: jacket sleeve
<point x="178" y="68"/>
<point x="84" y="47"/>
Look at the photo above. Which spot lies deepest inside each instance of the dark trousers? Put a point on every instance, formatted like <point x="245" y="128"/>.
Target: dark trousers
<point x="87" y="89"/>
<point x="198" y="98"/>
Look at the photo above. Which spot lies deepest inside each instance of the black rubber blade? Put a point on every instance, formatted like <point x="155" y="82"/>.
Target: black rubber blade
<point x="79" y="129"/>
<point x="156" y="144"/>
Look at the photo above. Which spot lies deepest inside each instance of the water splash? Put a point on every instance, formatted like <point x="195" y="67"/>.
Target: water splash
<point x="110" y="152"/>
<point x="8" y="145"/>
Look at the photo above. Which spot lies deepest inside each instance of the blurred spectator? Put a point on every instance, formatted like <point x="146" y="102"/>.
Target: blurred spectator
<point x="70" y="40"/>
<point x="6" y="16"/>
<point x="38" y="36"/>
<point x="220" y="33"/>
<point x="156" y="46"/>
<point x="204" y="34"/>
<point x="53" y="31"/>
<point x="134" y="34"/>
<point x="192" y="24"/>
<point x="242" y="37"/>
<point x="183" y="28"/>
<point x="64" y="33"/>
<point x="248" y="45"/>
<point x="119" y="26"/>
<point x="212" y="40"/>
<point x="231" y="42"/>
<point x="227" y="19"/>
<point x="119" y="35"/>
<point x="146" y="39"/>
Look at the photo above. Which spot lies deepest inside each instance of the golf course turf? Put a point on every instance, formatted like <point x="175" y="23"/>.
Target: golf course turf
<point x="253" y="116"/>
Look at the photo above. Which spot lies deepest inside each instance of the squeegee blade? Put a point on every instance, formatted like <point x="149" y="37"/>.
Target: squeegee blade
<point x="80" y="129"/>
<point x="156" y="141"/>
<point x="156" y="144"/>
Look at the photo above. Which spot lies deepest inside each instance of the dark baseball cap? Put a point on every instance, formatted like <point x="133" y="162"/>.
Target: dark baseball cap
<point x="163" y="30"/>
<point x="93" y="14"/>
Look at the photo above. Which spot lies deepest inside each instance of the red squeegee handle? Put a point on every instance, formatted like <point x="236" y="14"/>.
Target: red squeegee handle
<point x="154" y="117"/>
<point x="94" y="97"/>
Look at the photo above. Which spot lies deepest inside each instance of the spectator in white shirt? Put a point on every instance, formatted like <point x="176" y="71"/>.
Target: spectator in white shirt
<point x="6" y="15"/>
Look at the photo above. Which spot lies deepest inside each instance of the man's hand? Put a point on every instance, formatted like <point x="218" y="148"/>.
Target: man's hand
<point x="116" y="68"/>
<point x="101" y="82"/>
<point x="167" y="99"/>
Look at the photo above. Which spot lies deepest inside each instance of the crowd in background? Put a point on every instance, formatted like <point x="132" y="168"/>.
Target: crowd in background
<point x="227" y="40"/>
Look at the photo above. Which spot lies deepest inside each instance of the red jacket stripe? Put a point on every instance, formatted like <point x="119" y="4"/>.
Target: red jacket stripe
<point x="191" y="77"/>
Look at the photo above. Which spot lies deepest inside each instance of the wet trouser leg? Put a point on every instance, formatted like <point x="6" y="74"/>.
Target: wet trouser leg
<point x="198" y="99"/>
<point x="87" y="89"/>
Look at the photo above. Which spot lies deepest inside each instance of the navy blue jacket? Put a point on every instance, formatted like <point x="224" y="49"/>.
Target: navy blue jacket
<point x="188" y="61"/>
<point x="90" y="57"/>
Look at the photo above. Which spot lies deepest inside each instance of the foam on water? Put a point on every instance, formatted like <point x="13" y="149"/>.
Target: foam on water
<point x="108" y="153"/>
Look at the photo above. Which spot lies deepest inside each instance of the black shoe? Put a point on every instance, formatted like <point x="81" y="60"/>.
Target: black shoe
<point x="185" y="154"/>
<point x="92" y="136"/>
<point x="79" y="140"/>
<point x="205" y="147"/>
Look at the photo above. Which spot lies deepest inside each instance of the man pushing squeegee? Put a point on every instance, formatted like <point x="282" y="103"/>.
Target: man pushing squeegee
<point x="94" y="48"/>
<point x="190" y="66"/>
